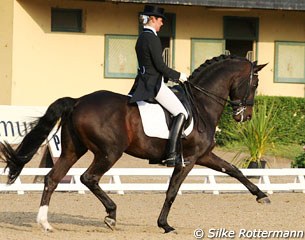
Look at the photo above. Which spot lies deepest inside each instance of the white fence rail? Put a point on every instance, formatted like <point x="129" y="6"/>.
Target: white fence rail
<point x="288" y="180"/>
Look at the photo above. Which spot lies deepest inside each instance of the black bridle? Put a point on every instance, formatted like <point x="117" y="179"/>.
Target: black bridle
<point x="239" y="105"/>
<point x="244" y="102"/>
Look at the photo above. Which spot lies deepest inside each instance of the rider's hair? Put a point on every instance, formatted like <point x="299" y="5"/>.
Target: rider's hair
<point x="144" y="19"/>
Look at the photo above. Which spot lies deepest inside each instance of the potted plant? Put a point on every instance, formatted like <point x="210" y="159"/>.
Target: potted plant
<point x="256" y="135"/>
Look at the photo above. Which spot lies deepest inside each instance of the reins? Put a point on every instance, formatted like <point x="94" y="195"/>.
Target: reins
<point x="218" y="99"/>
<point x="190" y="97"/>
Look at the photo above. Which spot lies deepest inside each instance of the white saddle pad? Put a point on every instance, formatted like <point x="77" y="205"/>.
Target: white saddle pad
<point x="154" y="122"/>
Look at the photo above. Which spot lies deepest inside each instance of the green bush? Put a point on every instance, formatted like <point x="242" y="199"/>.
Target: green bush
<point x="289" y="122"/>
<point x="299" y="161"/>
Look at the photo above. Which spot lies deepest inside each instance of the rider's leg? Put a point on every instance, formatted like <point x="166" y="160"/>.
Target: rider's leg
<point x="170" y="102"/>
<point x="174" y="145"/>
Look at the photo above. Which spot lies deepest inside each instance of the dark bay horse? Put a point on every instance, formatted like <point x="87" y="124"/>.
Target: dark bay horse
<point x="106" y="124"/>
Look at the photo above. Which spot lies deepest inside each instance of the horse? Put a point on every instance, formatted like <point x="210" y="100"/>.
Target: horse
<point x="106" y="124"/>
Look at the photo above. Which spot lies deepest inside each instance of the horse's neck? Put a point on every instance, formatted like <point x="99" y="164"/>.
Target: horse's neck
<point x="212" y="103"/>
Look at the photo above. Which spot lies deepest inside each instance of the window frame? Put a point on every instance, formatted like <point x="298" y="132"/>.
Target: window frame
<point x="112" y="74"/>
<point x="194" y="41"/>
<point x="277" y="61"/>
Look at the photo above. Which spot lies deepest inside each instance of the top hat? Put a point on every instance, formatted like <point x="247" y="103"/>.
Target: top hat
<point x="151" y="10"/>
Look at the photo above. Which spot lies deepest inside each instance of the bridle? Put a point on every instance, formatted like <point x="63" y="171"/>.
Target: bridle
<point x="239" y="105"/>
<point x="244" y="102"/>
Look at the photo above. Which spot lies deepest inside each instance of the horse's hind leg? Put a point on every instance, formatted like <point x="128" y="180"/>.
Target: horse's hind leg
<point x="100" y="165"/>
<point x="70" y="154"/>
<point x="220" y="165"/>
<point x="57" y="173"/>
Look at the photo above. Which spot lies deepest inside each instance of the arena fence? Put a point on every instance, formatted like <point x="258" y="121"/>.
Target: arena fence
<point x="157" y="179"/>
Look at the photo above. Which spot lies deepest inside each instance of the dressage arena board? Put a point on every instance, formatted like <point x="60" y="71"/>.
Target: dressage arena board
<point x="291" y="180"/>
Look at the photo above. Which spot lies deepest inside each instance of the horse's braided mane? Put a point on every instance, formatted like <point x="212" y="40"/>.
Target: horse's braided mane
<point x="212" y="61"/>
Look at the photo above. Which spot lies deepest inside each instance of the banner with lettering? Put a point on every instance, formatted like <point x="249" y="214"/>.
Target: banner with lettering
<point x="17" y="121"/>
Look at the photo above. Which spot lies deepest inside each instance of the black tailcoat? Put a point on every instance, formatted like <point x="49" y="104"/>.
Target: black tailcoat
<point x="151" y="67"/>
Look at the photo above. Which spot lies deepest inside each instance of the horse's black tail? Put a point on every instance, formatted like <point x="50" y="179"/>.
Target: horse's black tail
<point x="16" y="159"/>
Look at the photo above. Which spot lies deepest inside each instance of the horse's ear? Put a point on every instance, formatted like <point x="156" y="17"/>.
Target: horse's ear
<point x="257" y="68"/>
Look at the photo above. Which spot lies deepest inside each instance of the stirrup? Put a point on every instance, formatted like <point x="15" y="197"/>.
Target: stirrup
<point x="170" y="162"/>
<point x="175" y="159"/>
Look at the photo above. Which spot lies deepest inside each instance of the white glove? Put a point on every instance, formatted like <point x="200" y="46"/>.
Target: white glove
<point x="183" y="77"/>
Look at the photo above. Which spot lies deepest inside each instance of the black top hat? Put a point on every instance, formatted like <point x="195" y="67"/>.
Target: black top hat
<point x="151" y="10"/>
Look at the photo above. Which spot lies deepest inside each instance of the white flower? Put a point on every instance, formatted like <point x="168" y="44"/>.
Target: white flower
<point x="218" y="129"/>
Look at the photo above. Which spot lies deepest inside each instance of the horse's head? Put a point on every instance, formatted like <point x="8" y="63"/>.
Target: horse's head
<point x="224" y="76"/>
<point x="242" y="91"/>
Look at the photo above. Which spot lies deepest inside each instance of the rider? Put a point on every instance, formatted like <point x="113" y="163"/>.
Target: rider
<point x="151" y="78"/>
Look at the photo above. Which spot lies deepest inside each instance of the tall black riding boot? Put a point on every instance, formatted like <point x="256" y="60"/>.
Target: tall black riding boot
<point x="174" y="143"/>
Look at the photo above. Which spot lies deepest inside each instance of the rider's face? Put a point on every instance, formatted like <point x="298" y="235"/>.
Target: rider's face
<point x="157" y="23"/>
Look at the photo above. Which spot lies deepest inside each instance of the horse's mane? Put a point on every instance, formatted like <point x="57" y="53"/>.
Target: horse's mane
<point x="212" y="61"/>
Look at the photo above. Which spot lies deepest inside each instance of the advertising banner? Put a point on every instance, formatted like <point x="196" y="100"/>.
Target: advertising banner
<point x="17" y="121"/>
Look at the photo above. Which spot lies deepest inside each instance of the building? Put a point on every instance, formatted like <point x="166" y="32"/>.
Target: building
<point x="55" y="48"/>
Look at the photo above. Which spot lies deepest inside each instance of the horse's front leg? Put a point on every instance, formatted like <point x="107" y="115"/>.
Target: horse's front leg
<point x="218" y="164"/>
<point x="177" y="178"/>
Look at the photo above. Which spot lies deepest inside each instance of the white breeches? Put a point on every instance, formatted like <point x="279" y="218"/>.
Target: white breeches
<point x="169" y="101"/>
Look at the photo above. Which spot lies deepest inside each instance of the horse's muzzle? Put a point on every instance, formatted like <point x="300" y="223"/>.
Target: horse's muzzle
<point x="242" y="114"/>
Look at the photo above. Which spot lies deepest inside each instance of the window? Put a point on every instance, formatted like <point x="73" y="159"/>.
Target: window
<point x="66" y="20"/>
<point x="120" y="56"/>
<point x="242" y="28"/>
<point x="241" y="34"/>
<point x="289" y="65"/>
<point x="204" y="49"/>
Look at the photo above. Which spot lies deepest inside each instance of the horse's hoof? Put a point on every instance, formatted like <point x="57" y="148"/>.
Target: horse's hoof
<point x="46" y="226"/>
<point x="170" y="230"/>
<point x="110" y="222"/>
<point x="49" y="230"/>
<point x="264" y="200"/>
<point x="173" y="232"/>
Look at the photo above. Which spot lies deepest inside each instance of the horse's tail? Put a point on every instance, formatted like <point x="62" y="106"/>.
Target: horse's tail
<point x="16" y="159"/>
